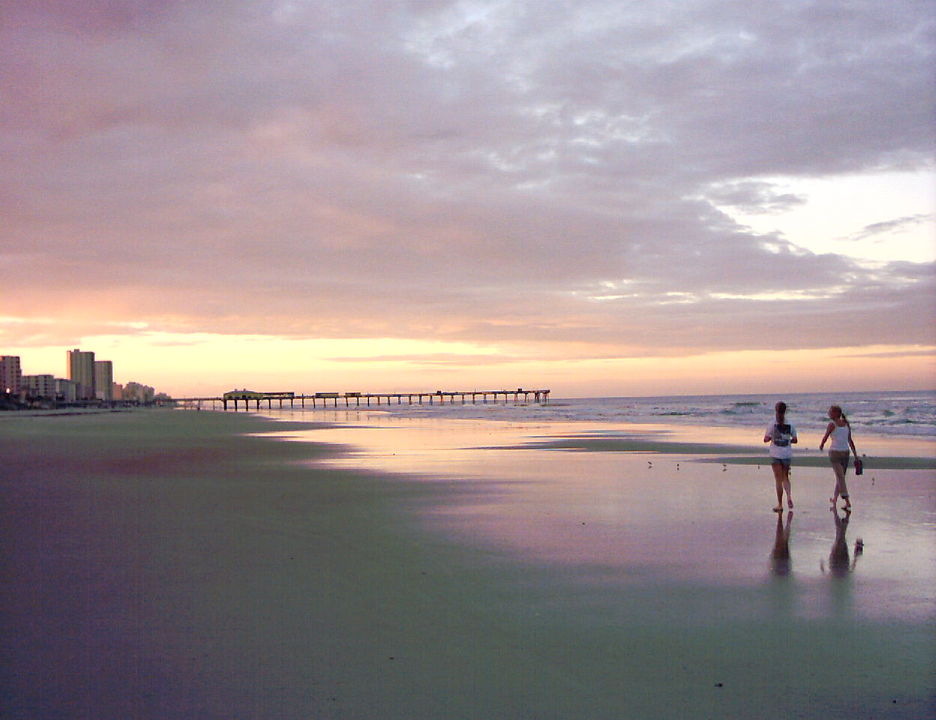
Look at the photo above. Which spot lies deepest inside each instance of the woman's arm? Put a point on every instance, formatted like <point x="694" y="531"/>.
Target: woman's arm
<point x="828" y="431"/>
<point x="852" y="442"/>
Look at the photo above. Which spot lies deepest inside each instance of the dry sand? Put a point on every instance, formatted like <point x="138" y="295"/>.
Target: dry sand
<point x="167" y="565"/>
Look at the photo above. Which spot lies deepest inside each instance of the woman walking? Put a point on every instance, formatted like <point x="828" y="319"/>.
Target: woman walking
<point x="781" y="435"/>
<point x="840" y="431"/>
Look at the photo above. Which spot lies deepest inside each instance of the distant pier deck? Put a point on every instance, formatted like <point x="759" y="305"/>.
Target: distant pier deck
<point x="258" y="400"/>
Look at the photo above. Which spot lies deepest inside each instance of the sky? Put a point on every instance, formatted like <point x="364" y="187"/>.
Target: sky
<point x="601" y="197"/>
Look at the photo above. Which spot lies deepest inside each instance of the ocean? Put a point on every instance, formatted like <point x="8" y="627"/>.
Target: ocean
<point x="905" y="413"/>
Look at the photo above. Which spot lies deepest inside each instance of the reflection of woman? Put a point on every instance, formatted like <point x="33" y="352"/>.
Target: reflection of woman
<point x="839" y="562"/>
<point x="780" y="555"/>
<point x="781" y="436"/>
<point x="839" y="430"/>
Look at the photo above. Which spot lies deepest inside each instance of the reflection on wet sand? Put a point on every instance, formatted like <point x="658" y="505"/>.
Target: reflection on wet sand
<point x="840" y="563"/>
<point x="780" y="555"/>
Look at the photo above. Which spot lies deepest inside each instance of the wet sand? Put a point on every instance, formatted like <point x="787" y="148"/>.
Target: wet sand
<point x="167" y="565"/>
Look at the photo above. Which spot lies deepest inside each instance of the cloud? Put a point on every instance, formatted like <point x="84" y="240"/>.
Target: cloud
<point x="889" y="227"/>
<point x="897" y="354"/>
<point x="750" y="196"/>
<point x="441" y="360"/>
<point x="509" y="171"/>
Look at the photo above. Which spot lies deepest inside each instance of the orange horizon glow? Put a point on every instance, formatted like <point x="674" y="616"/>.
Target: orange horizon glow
<point x="207" y="365"/>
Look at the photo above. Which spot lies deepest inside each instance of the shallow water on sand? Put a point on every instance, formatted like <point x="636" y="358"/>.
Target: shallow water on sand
<point x="619" y="519"/>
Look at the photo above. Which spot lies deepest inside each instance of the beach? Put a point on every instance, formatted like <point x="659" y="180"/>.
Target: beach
<point x="169" y="564"/>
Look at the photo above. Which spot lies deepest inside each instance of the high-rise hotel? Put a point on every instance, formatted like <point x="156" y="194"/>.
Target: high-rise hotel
<point x="11" y="375"/>
<point x="104" y="380"/>
<point x="81" y="372"/>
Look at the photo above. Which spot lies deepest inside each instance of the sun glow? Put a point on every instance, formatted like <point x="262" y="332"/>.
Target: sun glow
<point x="206" y="365"/>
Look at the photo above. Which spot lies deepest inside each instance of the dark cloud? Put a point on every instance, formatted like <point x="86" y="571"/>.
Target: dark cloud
<point x="487" y="170"/>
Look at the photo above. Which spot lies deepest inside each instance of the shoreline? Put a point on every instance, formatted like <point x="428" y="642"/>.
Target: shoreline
<point x="729" y="444"/>
<point x="717" y="452"/>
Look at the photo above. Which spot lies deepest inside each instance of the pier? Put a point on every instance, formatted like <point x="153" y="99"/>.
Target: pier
<point x="258" y="400"/>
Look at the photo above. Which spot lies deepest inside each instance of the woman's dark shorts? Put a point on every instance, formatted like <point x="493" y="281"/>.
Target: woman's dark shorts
<point x="839" y="457"/>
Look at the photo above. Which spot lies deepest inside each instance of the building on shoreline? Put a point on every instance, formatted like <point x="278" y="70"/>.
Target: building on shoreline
<point x="104" y="380"/>
<point x="40" y="386"/>
<point x="11" y="375"/>
<point x="137" y="393"/>
<point x="90" y="383"/>
<point x="81" y="371"/>
<point x="66" y="391"/>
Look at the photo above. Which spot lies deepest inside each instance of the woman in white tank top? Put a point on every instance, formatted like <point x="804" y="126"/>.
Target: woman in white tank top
<point x="840" y="432"/>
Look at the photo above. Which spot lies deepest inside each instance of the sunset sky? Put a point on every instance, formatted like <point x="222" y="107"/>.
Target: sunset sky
<point x="602" y="197"/>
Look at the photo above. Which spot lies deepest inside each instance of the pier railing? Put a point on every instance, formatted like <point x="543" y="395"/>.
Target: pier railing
<point x="259" y="400"/>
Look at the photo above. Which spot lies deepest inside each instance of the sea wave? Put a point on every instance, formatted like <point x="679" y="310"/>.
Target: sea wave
<point x="888" y="413"/>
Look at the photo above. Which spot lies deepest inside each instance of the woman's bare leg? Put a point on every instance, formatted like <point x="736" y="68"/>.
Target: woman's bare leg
<point x="786" y="486"/>
<point x="778" y="481"/>
<point x="839" y="471"/>
<point x="843" y="488"/>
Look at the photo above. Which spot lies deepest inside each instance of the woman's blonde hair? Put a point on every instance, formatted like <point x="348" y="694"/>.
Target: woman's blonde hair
<point x="838" y="409"/>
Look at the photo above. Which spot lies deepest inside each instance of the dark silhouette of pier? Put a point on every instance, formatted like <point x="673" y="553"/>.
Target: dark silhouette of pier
<point x="249" y="398"/>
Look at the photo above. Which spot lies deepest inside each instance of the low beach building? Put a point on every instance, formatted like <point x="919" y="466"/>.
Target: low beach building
<point x="138" y="393"/>
<point x="66" y="390"/>
<point x="40" y="386"/>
